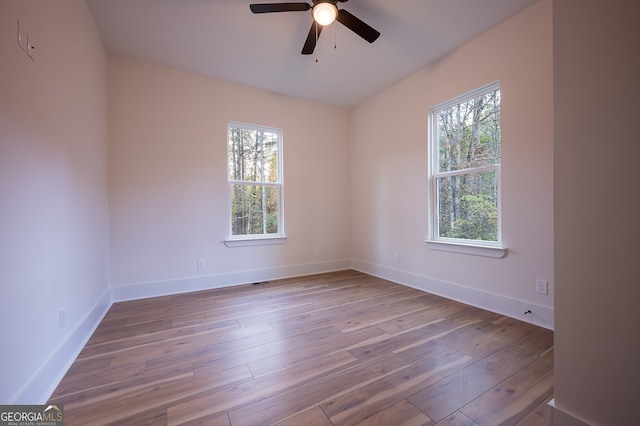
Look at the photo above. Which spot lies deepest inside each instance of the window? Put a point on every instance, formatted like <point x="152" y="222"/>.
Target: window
<point x="254" y="157"/>
<point x="465" y="169"/>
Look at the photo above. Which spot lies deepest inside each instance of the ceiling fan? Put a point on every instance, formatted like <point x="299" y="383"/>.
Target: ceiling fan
<point x="324" y="12"/>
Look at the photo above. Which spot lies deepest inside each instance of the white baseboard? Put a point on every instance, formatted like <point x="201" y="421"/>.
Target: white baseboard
<point x="42" y="384"/>
<point x="514" y="308"/>
<point x="207" y="282"/>
<point x="559" y="417"/>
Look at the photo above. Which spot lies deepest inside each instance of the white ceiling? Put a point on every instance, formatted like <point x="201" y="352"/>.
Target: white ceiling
<point x="223" y="39"/>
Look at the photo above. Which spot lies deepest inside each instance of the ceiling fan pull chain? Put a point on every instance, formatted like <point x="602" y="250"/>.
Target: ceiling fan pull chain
<point x="315" y="25"/>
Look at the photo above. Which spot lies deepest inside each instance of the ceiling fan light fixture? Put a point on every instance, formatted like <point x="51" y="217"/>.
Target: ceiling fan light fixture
<point x="325" y="13"/>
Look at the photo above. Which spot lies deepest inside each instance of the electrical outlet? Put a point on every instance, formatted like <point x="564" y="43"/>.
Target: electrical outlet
<point x="201" y="264"/>
<point x="542" y="287"/>
<point x="316" y="252"/>
<point x="396" y="258"/>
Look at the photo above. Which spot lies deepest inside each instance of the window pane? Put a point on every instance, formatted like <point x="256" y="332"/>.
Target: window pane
<point x="253" y="155"/>
<point x="468" y="206"/>
<point x="469" y="133"/>
<point x="254" y="209"/>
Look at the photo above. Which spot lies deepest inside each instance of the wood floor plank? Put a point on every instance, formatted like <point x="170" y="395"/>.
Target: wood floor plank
<point x="99" y="392"/>
<point x="311" y="346"/>
<point x="533" y="419"/>
<point x="329" y="315"/>
<point x="457" y="419"/>
<point x="400" y="340"/>
<point x="87" y="367"/>
<point x="231" y="352"/>
<point x="231" y="398"/>
<point x="438" y="310"/>
<point x="380" y="317"/>
<point x="153" y="332"/>
<point x="280" y="406"/>
<point x="511" y="400"/>
<point x="153" y="417"/>
<point x="366" y="401"/>
<point x="543" y="408"/>
<point x="443" y="398"/>
<point x="152" y="341"/>
<point x="88" y="382"/>
<point x="121" y="407"/>
<point x="400" y="414"/>
<point x="222" y="420"/>
<point x="495" y="337"/>
<point x="312" y="417"/>
<point x="428" y="346"/>
<point x="341" y="348"/>
<point x="273" y="356"/>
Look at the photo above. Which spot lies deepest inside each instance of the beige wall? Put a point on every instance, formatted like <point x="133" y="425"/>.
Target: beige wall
<point x="53" y="192"/>
<point x="596" y="152"/>
<point x="168" y="188"/>
<point x="389" y="169"/>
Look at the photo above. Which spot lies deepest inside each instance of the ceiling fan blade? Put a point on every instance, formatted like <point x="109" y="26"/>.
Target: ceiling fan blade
<point x="279" y="7"/>
<point x="310" y="43"/>
<point x="357" y="26"/>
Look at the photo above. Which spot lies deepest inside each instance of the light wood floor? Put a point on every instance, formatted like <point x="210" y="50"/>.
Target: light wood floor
<point x="342" y="348"/>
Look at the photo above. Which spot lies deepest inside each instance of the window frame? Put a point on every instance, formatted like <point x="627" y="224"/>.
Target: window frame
<point x="460" y="245"/>
<point x="256" y="239"/>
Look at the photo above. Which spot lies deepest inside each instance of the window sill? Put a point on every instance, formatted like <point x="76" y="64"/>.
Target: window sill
<point x="476" y="250"/>
<point x="254" y="241"/>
